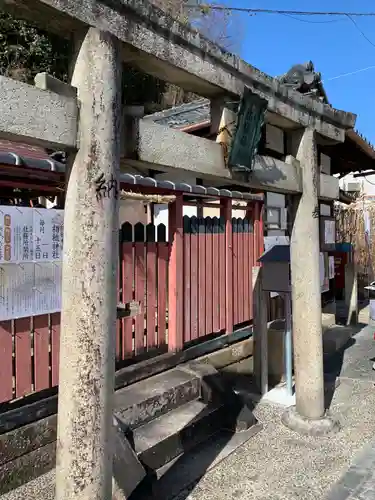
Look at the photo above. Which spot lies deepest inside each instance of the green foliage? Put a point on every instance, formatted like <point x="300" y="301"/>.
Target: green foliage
<point x="26" y="51"/>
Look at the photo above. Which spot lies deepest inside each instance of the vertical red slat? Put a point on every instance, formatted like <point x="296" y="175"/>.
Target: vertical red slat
<point x="256" y="215"/>
<point x="235" y="276"/>
<point x="222" y="256"/>
<point x="163" y="255"/>
<point x="140" y="275"/>
<point x="252" y="264"/>
<point x="175" y="275"/>
<point x="261" y="230"/>
<point x="241" y="287"/>
<point x="227" y="214"/>
<point x="216" y="284"/>
<point x="6" y="371"/>
<point x="201" y="279"/>
<point x="151" y="294"/>
<point x="119" y="299"/>
<point x="246" y="265"/>
<point x="127" y="296"/>
<point x="187" y="284"/>
<point x="55" y="347"/>
<point x="23" y="356"/>
<point x="41" y="352"/>
<point x="209" y="272"/>
<point x="194" y="286"/>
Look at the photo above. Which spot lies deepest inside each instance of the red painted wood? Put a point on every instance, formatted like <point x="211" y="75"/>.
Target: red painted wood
<point x="162" y="287"/>
<point x="209" y="274"/>
<point x="55" y="347"/>
<point x="175" y="274"/>
<point x="118" y="322"/>
<point x="194" y="286"/>
<point x="235" y="279"/>
<point x="256" y="215"/>
<point x="187" y="288"/>
<point x="216" y="284"/>
<point x="252" y="264"/>
<point x="23" y="356"/>
<point x="151" y="295"/>
<point x="41" y="352"/>
<point x="140" y="289"/>
<point x="246" y="267"/>
<point x="226" y="212"/>
<point x="201" y="284"/>
<point x="6" y="369"/>
<point x="241" y="276"/>
<point x="127" y="296"/>
<point x="222" y="286"/>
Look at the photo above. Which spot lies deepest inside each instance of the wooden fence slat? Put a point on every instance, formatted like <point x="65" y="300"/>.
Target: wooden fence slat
<point x="222" y="257"/>
<point x="247" y="258"/>
<point x="252" y="264"/>
<point x="151" y="287"/>
<point x="194" y="285"/>
<point x="23" y="356"/>
<point x="162" y="288"/>
<point x="6" y="365"/>
<point x="201" y="278"/>
<point x="235" y="272"/>
<point x="240" y="271"/>
<point x="41" y="352"/>
<point x="119" y="300"/>
<point x="127" y="296"/>
<point x="209" y="273"/>
<point x="187" y="279"/>
<point x="55" y="347"/>
<point x="216" y="284"/>
<point x="140" y="275"/>
<point x="226" y="212"/>
<point x="175" y="276"/>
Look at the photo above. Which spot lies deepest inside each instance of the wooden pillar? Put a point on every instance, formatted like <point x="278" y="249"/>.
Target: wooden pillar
<point x="175" y="273"/>
<point x="258" y="230"/>
<point x="260" y="301"/>
<point x="226" y="213"/>
<point x="89" y="283"/>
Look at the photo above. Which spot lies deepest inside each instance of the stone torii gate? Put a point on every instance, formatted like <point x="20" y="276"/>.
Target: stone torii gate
<point x="107" y="33"/>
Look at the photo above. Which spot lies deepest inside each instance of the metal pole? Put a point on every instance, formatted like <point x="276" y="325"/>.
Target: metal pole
<point x="288" y="344"/>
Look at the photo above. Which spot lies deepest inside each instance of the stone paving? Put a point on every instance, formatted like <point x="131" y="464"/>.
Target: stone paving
<point x="358" y="483"/>
<point x="278" y="464"/>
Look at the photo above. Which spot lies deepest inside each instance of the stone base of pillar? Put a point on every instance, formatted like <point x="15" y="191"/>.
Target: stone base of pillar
<point x="307" y="426"/>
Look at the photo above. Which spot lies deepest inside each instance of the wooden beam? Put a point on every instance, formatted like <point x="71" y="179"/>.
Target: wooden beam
<point x="37" y="116"/>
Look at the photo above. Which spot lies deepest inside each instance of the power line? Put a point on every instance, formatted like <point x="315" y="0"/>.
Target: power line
<point x="208" y="7"/>
<point x="359" y="29"/>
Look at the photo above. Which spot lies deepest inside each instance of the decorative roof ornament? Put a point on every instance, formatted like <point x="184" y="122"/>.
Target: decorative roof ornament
<point x="304" y="79"/>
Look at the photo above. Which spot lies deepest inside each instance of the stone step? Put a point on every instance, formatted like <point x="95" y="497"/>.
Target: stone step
<point x="140" y="403"/>
<point x="160" y="441"/>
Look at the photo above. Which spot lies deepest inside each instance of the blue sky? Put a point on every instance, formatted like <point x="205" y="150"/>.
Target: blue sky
<point x="273" y="43"/>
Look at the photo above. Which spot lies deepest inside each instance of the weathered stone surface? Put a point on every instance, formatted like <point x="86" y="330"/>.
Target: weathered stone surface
<point x="177" y="53"/>
<point x="27" y="439"/>
<point x="37" y="116"/>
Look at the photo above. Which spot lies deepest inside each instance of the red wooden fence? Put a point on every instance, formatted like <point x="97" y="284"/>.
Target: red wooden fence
<point x="210" y="268"/>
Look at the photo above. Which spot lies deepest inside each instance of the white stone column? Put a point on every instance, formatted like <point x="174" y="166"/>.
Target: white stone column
<point x="89" y="297"/>
<point x="306" y="297"/>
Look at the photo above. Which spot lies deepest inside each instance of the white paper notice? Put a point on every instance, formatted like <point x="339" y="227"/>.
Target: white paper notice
<point x="47" y="290"/>
<point x="321" y="268"/>
<point x="48" y="234"/>
<point x="16" y="225"/>
<point x="16" y="291"/>
<point x="331" y="267"/>
<point x="31" y="241"/>
<point x="329" y="232"/>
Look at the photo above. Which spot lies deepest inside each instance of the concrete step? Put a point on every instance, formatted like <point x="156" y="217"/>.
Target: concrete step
<point x="140" y="403"/>
<point x="160" y="441"/>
